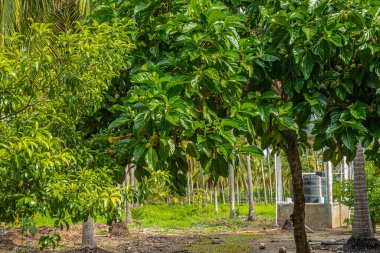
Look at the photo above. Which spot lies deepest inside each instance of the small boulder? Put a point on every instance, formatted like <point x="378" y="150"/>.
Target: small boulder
<point x="282" y="250"/>
<point x="262" y="245"/>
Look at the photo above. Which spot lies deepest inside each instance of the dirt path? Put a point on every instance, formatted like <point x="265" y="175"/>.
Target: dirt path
<point x="149" y="240"/>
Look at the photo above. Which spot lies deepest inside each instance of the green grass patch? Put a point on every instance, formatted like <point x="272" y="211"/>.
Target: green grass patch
<point x="183" y="216"/>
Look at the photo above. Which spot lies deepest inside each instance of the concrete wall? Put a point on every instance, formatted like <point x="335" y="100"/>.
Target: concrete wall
<point x="317" y="216"/>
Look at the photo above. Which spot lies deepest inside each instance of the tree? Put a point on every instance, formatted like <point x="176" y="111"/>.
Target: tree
<point x="16" y="15"/>
<point x="362" y="230"/>
<point x="49" y="81"/>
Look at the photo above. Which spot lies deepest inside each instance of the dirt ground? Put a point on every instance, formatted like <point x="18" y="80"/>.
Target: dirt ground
<point x="157" y="240"/>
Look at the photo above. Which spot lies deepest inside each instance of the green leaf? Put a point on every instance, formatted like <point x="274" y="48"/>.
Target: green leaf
<point x="235" y="123"/>
<point x="212" y="74"/>
<point x="307" y="65"/>
<point x="309" y="31"/>
<point x="349" y="140"/>
<point x="119" y="122"/>
<point x="138" y="151"/>
<point x="358" y="110"/>
<point x="215" y="137"/>
<point x="151" y="158"/>
<point x="336" y="40"/>
<point x="251" y="150"/>
<point x="192" y="150"/>
<point x="327" y="155"/>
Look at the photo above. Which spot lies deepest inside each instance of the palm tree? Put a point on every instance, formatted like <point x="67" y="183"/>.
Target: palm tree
<point x="251" y="211"/>
<point x="363" y="236"/>
<point x="231" y="180"/>
<point x="15" y="15"/>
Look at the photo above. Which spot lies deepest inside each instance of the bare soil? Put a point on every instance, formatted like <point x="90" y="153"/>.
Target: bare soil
<point x="154" y="240"/>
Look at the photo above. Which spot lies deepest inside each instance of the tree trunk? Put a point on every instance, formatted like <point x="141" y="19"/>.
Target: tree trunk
<point x="88" y="235"/>
<point x="232" y="191"/>
<point x="263" y="176"/>
<point x="362" y="226"/>
<point x="298" y="216"/>
<point x="222" y="189"/>
<point x="270" y="178"/>
<point x="202" y="176"/>
<point x="188" y="189"/>
<point x="132" y="180"/>
<point x="216" y="197"/>
<point x="128" y="214"/>
<point x="258" y="188"/>
<point x="363" y="237"/>
<point x="237" y="189"/>
<point x="251" y="211"/>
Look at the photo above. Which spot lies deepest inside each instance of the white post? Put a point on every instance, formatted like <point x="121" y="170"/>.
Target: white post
<point x="278" y="174"/>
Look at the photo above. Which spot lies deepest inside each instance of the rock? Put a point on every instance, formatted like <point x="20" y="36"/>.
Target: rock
<point x="282" y="250"/>
<point x="262" y="245"/>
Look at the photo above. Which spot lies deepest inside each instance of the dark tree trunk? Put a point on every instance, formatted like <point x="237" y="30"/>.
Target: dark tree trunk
<point x="298" y="216"/>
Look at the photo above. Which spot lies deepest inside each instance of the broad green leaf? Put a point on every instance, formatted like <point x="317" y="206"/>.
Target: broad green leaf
<point x="119" y="122"/>
<point x="349" y="140"/>
<point x="151" y="158"/>
<point x="251" y="150"/>
<point x="358" y="110"/>
<point x="138" y="151"/>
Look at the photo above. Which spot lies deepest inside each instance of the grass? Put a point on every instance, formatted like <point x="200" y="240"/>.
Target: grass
<point x="194" y="217"/>
<point x="189" y="218"/>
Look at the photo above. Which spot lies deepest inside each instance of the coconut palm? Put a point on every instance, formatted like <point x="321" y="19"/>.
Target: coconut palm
<point x="15" y="15"/>
<point x="362" y="230"/>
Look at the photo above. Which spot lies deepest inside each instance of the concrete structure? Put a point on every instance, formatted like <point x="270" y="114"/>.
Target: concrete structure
<point x="326" y="215"/>
<point x="317" y="216"/>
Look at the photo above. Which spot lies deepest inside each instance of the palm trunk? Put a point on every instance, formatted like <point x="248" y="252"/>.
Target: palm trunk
<point x="251" y="211"/>
<point x="298" y="216"/>
<point x="88" y="235"/>
<point x="202" y="176"/>
<point x="258" y="188"/>
<point x="362" y="226"/>
<point x="128" y="214"/>
<point x="237" y="188"/>
<point x="263" y="176"/>
<point x="270" y="178"/>
<point x="188" y="189"/>
<point x="363" y="237"/>
<point x="216" y="197"/>
<point x="232" y="191"/>
<point x="222" y="189"/>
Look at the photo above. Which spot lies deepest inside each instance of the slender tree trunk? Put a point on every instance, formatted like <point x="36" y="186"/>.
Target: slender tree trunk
<point x="188" y="188"/>
<point x="251" y="211"/>
<point x="128" y="214"/>
<point x="237" y="188"/>
<point x="270" y="178"/>
<point x="222" y="189"/>
<point x="362" y="226"/>
<point x="132" y="180"/>
<point x="232" y="189"/>
<point x="258" y="188"/>
<point x="88" y="234"/>
<point x="298" y="216"/>
<point x="202" y="176"/>
<point x="264" y="184"/>
<point x="216" y="197"/>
